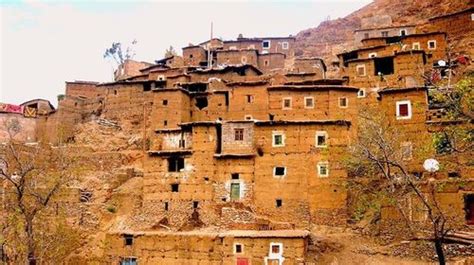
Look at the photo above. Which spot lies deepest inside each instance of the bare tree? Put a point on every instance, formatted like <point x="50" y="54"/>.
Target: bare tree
<point x="32" y="174"/>
<point x="118" y="55"/>
<point x="380" y="159"/>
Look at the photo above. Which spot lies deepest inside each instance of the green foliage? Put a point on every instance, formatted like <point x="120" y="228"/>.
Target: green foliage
<point x="170" y="52"/>
<point x="111" y="209"/>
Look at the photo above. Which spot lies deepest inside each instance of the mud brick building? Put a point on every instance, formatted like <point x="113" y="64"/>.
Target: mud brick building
<point x="387" y="31"/>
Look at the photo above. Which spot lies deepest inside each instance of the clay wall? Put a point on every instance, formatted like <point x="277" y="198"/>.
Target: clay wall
<point x="27" y="131"/>
<point x="202" y="248"/>
<point x="361" y="34"/>
<point x="232" y="57"/>
<point x="271" y="61"/>
<point x="193" y="56"/>
<point x="249" y="101"/>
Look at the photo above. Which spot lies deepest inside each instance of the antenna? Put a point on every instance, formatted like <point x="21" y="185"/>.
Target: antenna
<point x="209" y="53"/>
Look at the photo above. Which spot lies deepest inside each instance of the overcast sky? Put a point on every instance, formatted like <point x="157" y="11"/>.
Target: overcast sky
<point x="44" y="44"/>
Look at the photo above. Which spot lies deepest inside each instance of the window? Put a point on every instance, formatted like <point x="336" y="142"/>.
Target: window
<point x="128" y="261"/>
<point x="195" y="204"/>
<point x="243" y="59"/>
<point x="248" y="117"/>
<point x="238" y="248"/>
<point x="234" y="191"/>
<point x="165" y="102"/>
<point x="360" y="69"/>
<point x="239" y="134"/>
<point x="321" y="139"/>
<point x="285" y="45"/>
<point x="323" y="169"/>
<point x="190" y="56"/>
<point x="278" y="139"/>
<point x="403" y="110"/>
<point x="235" y="175"/>
<point x="165" y="123"/>
<point x="175" y="187"/>
<point x="278" y="203"/>
<point x="182" y="143"/>
<point x="279" y="171"/>
<point x="403" y="32"/>
<point x="128" y="239"/>
<point x="366" y="35"/>
<point x="406" y="150"/>
<point x="383" y="66"/>
<point x="286" y="103"/>
<point x="361" y="93"/>
<point x="384" y="33"/>
<point x="372" y="54"/>
<point x="415" y="46"/>
<point x="343" y="102"/>
<point x="309" y="102"/>
<point x="432" y="44"/>
<point x="146" y="86"/>
<point x="266" y="63"/>
<point x="266" y="44"/>
<point x="250" y="98"/>
<point x="276" y="250"/>
<point x="167" y="206"/>
<point x="175" y="164"/>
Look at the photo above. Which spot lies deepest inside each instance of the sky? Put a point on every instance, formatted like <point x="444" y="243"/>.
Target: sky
<point x="45" y="43"/>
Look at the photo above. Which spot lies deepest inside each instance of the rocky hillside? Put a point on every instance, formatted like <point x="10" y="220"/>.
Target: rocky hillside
<point x="333" y="36"/>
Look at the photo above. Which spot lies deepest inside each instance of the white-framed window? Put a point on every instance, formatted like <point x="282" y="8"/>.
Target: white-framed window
<point x="243" y="59"/>
<point x="416" y="46"/>
<point x="276" y="250"/>
<point x="403" y="32"/>
<point x="361" y="93"/>
<point x="279" y="171"/>
<point x="278" y="139"/>
<point x="432" y="44"/>
<point x="323" y="169"/>
<point x="403" y="110"/>
<point x="321" y="139"/>
<point x="309" y="102"/>
<point x="248" y="117"/>
<point x="372" y="55"/>
<point x="266" y="44"/>
<point x="128" y="261"/>
<point x="472" y="16"/>
<point x="286" y="103"/>
<point x="406" y="150"/>
<point x="343" y="102"/>
<point x="285" y="45"/>
<point x="238" y="248"/>
<point x="360" y="69"/>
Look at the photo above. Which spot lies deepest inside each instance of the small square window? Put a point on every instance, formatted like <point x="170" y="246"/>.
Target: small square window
<point x="195" y="204"/>
<point x="275" y="249"/>
<point x="266" y="63"/>
<point x="384" y="33"/>
<point x="175" y="164"/>
<point x="432" y="44"/>
<point x="403" y="32"/>
<point x="128" y="261"/>
<point x="361" y="93"/>
<point x="238" y="248"/>
<point x="235" y="176"/>
<point x="239" y="134"/>
<point x="285" y="45"/>
<point x="343" y="102"/>
<point x="323" y="169"/>
<point x="165" y="102"/>
<point x="278" y="203"/>
<point x="128" y="240"/>
<point x="165" y="123"/>
<point x="286" y="103"/>
<point x="279" y="171"/>
<point x="416" y="46"/>
<point x="266" y="44"/>
<point x="248" y="117"/>
<point x="250" y="98"/>
<point x="321" y="139"/>
<point x="243" y="59"/>
<point x="372" y="55"/>
<point x="309" y="102"/>
<point x="360" y="69"/>
<point x="366" y="35"/>
<point x="403" y="110"/>
<point x="175" y="187"/>
<point x="278" y="139"/>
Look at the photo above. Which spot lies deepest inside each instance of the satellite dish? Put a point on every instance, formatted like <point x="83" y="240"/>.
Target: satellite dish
<point x="441" y="63"/>
<point x="431" y="165"/>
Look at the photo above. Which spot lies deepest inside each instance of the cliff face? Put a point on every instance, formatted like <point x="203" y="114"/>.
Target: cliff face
<point x="333" y="36"/>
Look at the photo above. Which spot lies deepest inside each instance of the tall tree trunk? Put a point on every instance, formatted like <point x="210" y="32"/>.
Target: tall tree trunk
<point x="31" y="241"/>
<point x="440" y="251"/>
